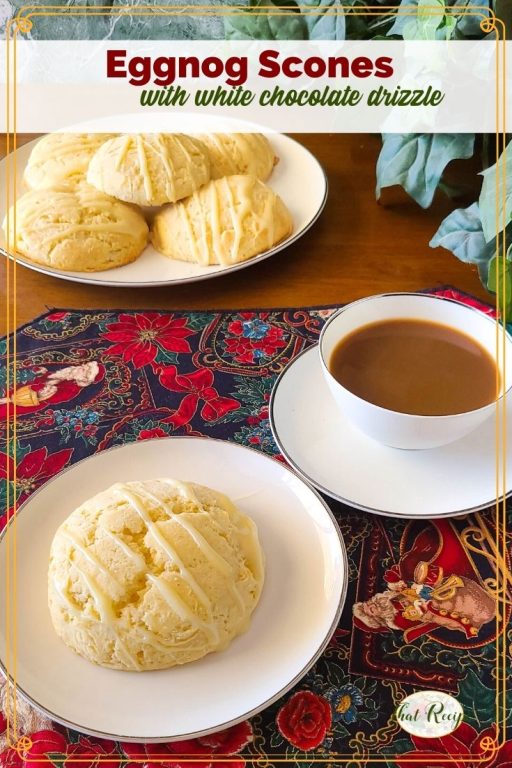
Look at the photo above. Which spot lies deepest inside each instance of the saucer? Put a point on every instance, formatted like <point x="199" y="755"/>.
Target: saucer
<point x="328" y="451"/>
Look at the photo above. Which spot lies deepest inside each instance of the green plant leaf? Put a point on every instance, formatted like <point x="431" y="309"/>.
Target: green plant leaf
<point x="495" y="217"/>
<point x="477" y="700"/>
<point x="461" y="233"/>
<point x="427" y="23"/>
<point x="468" y="24"/>
<point x="402" y="19"/>
<point x="419" y="23"/>
<point x="290" y="25"/>
<point x="504" y="294"/>
<point x="324" y="26"/>
<point x="416" y="161"/>
<point x="293" y="25"/>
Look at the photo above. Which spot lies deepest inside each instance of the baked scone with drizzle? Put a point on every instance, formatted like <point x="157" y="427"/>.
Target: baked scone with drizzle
<point x="149" y="575"/>
<point x="150" y="168"/>
<point x="227" y="221"/>
<point x="76" y="229"/>
<point x="62" y="158"/>
<point x="239" y="153"/>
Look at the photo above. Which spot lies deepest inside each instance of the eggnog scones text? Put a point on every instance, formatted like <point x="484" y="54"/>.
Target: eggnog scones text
<point x="148" y="575"/>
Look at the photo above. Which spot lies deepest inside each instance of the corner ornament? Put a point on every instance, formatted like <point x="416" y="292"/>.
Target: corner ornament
<point x="488" y="24"/>
<point x="23" y="745"/>
<point x="489" y="747"/>
<point x="21" y="25"/>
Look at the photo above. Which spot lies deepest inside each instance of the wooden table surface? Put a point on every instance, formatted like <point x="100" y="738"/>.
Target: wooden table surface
<point x="357" y="248"/>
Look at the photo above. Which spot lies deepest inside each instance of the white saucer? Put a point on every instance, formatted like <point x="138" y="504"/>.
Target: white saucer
<point x="329" y="452"/>
<point x="305" y="576"/>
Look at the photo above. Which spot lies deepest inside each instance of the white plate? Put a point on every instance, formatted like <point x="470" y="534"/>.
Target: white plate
<point x="338" y="459"/>
<point x="304" y="591"/>
<point x="298" y="178"/>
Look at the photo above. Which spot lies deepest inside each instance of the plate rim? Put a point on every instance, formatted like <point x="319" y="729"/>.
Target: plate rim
<point x="85" y="280"/>
<point x="259" y="708"/>
<point x="332" y="494"/>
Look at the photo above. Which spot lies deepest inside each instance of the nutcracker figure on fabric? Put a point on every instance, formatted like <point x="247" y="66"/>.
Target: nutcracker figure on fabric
<point x="434" y="585"/>
<point x="52" y="387"/>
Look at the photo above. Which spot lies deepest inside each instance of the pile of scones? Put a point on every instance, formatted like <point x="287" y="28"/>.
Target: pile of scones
<point x="95" y="200"/>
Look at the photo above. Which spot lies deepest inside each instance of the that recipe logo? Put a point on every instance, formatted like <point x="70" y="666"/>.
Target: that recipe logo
<point x="429" y="714"/>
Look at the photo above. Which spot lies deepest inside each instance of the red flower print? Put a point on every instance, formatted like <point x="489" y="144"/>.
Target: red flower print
<point x="43" y="744"/>
<point x="148" y="434"/>
<point x="262" y="415"/>
<point x="199" y="386"/>
<point x="56" y="317"/>
<point x="4" y="519"/>
<point x="305" y="719"/>
<point x="253" y="338"/>
<point x="34" y="468"/>
<point x="87" y="753"/>
<point x="457" y="750"/>
<point x="9" y="758"/>
<point x="224" y="744"/>
<point x="47" y="420"/>
<point x="139" y="337"/>
<point x="449" y="293"/>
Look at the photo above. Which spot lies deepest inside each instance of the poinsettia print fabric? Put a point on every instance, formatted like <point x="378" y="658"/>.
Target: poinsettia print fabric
<point x="88" y="381"/>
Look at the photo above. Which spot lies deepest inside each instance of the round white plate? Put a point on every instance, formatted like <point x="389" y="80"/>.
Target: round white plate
<point x="298" y="178"/>
<point x="328" y="451"/>
<point x="304" y="591"/>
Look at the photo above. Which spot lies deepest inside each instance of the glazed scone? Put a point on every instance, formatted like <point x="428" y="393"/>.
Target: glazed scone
<point x="239" y="153"/>
<point x="62" y="158"/>
<point x="149" y="575"/>
<point x="227" y="221"/>
<point x="150" y="168"/>
<point x="76" y="229"/>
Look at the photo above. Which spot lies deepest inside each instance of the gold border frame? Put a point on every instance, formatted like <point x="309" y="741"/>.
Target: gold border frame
<point x="22" y="24"/>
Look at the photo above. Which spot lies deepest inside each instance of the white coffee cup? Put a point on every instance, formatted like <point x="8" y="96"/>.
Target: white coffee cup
<point x="402" y="430"/>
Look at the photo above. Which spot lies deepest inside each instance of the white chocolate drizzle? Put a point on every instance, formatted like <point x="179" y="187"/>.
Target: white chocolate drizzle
<point x="171" y="157"/>
<point x="170" y="552"/>
<point x="167" y="585"/>
<point x="213" y="219"/>
<point x="130" y="553"/>
<point x="77" y="544"/>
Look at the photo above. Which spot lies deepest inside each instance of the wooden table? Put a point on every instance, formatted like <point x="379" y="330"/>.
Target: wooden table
<point x="357" y="248"/>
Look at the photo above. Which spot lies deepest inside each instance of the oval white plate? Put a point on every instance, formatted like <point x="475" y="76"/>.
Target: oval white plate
<point x="324" y="447"/>
<point x="304" y="591"/>
<point x="298" y="178"/>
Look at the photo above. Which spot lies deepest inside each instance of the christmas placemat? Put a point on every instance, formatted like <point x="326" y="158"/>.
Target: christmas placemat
<point x="90" y="380"/>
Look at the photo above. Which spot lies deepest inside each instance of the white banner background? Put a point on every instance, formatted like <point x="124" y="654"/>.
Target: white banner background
<point x="62" y="83"/>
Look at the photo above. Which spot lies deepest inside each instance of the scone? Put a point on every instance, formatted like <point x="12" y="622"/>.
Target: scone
<point x="149" y="575"/>
<point x="76" y="229"/>
<point x="150" y="168"/>
<point x="62" y="158"/>
<point x="234" y="153"/>
<point x="227" y="221"/>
